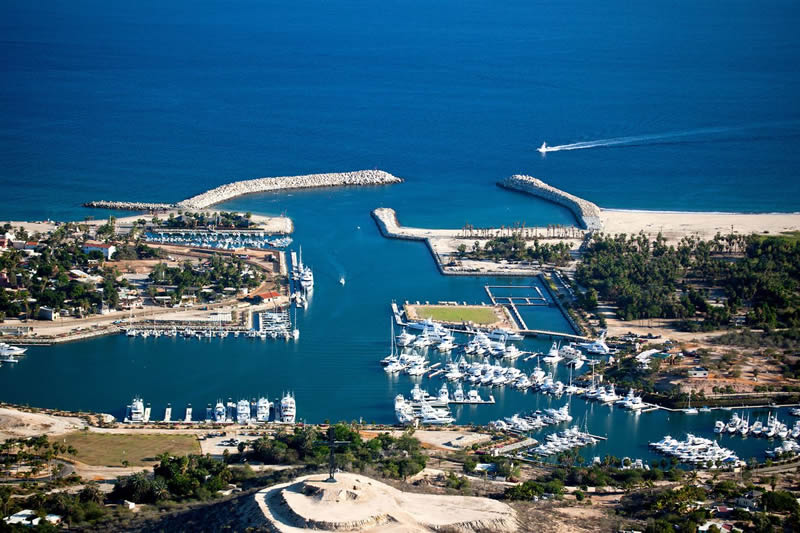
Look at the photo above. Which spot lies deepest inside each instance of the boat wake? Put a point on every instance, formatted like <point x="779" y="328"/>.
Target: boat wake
<point x="637" y="140"/>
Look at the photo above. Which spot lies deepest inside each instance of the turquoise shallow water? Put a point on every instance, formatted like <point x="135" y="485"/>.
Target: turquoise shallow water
<point x="156" y="102"/>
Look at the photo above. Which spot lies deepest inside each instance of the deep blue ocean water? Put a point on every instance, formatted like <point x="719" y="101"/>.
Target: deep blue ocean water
<point x="156" y="102"/>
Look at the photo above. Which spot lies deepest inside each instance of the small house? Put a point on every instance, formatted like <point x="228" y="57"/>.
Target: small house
<point x="107" y="250"/>
<point x="698" y="372"/>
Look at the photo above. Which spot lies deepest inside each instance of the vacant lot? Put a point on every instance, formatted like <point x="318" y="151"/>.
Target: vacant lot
<point x="449" y="313"/>
<point x="105" y="449"/>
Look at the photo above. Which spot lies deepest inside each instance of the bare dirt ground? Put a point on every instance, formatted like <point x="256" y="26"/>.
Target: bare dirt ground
<point x="449" y="439"/>
<point x="20" y="424"/>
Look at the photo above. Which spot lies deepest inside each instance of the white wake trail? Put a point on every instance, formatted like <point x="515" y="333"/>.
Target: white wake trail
<point x="634" y="139"/>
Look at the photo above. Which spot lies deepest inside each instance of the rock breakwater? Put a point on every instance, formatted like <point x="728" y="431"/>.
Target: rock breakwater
<point x="587" y="213"/>
<point x="129" y="206"/>
<point x="259" y="185"/>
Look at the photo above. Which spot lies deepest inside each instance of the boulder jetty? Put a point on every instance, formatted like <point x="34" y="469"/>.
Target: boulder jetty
<point x="309" y="181"/>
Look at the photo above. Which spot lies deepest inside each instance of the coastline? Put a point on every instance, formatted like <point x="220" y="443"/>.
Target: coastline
<point x="673" y="225"/>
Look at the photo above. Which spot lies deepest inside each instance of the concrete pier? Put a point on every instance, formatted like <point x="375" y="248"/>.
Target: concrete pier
<point x="188" y="417"/>
<point x="168" y="414"/>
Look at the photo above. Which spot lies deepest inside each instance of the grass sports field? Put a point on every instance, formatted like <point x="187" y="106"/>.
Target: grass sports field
<point x="110" y="449"/>
<point x="457" y="314"/>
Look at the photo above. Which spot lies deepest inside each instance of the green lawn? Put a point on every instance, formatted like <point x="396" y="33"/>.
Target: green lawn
<point x="476" y="315"/>
<point x="110" y="449"/>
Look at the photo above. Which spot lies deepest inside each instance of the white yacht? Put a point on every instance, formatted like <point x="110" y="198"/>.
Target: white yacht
<point x="405" y="338"/>
<point x="135" y="411"/>
<point x="220" y="412"/>
<point x="553" y="356"/>
<point x="403" y="410"/>
<point x="288" y="409"/>
<point x="435" y="417"/>
<point x="243" y="412"/>
<point x="263" y="407"/>
<point x="7" y="349"/>
<point x="502" y="334"/>
<point x="598" y="346"/>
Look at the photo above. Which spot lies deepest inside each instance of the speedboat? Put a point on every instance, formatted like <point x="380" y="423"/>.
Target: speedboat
<point x="543" y="148"/>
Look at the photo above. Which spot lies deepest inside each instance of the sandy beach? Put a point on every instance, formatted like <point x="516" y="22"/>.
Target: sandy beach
<point x="676" y="225"/>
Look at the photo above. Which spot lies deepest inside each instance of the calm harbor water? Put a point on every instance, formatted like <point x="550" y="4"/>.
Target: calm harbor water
<point x="155" y="102"/>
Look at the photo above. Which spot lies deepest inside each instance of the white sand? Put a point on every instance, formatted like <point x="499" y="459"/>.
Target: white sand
<point x="356" y="502"/>
<point x="675" y="225"/>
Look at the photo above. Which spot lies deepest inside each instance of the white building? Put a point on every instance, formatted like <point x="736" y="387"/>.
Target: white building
<point x="107" y="250"/>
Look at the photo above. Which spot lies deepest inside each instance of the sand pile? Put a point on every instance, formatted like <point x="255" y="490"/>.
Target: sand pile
<point x="359" y="503"/>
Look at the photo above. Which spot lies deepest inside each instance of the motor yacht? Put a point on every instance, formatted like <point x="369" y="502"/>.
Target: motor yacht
<point x="553" y="356"/>
<point x="288" y="408"/>
<point x="243" y="412"/>
<point x="7" y="349"/>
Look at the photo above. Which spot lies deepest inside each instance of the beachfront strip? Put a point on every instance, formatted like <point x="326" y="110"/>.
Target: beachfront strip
<point x="258" y="185"/>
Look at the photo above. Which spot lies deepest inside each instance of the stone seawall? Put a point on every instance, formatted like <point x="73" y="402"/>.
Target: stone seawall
<point x="240" y="188"/>
<point x="386" y="219"/>
<point x="587" y="213"/>
<point x="129" y="206"/>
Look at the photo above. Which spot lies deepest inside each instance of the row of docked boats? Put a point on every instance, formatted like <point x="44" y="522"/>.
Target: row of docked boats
<point x="569" y="439"/>
<point x="699" y="451"/>
<point x="412" y="412"/>
<point x="302" y="278"/>
<point x="424" y="408"/>
<point x="436" y="336"/>
<point x="276" y="325"/>
<point x="739" y="425"/>
<point x="522" y="423"/>
<point x="189" y="333"/>
<point x="10" y="354"/>
<point x="220" y="240"/>
<point x="788" y="447"/>
<point x="243" y="412"/>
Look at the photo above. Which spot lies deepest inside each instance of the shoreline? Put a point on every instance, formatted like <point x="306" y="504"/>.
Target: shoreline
<point x="669" y="212"/>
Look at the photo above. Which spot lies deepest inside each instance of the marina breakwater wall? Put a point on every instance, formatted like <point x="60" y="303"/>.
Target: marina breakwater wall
<point x="129" y="206"/>
<point x="386" y="219"/>
<point x="587" y="213"/>
<point x="309" y="181"/>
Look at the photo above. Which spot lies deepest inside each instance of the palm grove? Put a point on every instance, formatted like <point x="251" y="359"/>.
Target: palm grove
<point x="752" y="275"/>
